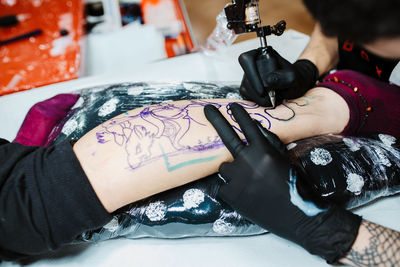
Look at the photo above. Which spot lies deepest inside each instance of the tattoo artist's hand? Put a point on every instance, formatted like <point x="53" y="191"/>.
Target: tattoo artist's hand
<point x="261" y="186"/>
<point x="265" y="70"/>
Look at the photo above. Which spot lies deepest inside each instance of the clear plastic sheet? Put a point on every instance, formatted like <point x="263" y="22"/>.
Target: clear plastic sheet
<point x="187" y="211"/>
<point x="220" y="37"/>
<point x="350" y="171"/>
<point x="118" y="98"/>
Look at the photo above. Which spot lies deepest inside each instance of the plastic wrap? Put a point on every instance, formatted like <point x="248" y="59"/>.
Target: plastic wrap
<point x="350" y="171"/>
<point x="115" y="99"/>
<point x="220" y="37"/>
<point x="188" y="211"/>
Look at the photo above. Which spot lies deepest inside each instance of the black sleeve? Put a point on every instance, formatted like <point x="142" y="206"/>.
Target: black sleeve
<point x="45" y="199"/>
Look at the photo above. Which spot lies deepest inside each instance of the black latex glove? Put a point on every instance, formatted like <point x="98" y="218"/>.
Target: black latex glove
<point x="265" y="70"/>
<point x="261" y="185"/>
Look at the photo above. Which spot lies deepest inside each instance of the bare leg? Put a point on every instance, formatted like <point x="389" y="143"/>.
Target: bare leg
<point x="152" y="149"/>
<point x="319" y="111"/>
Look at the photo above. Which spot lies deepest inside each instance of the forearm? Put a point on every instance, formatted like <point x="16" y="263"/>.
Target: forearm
<point x="153" y="149"/>
<point x="322" y="51"/>
<point x="375" y="245"/>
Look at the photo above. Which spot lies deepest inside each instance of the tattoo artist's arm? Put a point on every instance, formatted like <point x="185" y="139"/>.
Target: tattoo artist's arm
<point x="375" y="245"/>
<point x="321" y="50"/>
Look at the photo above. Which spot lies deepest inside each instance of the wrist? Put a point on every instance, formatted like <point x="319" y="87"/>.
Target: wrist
<point x="332" y="235"/>
<point x="309" y="69"/>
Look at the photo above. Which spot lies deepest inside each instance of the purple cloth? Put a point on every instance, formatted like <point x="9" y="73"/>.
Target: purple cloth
<point x="42" y="117"/>
<point x="374" y="105"/>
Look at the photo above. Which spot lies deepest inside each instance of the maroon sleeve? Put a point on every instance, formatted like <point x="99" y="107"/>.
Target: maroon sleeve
<point x="45" y="199"/>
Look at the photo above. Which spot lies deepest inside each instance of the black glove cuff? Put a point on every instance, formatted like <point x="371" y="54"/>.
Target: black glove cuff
<point x="334" y="236"/>
<point x="308" y="70"/>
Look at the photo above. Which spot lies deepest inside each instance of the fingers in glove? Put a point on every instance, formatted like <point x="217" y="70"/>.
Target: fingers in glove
<point x="280" y="79"/>
<point x="230" y="191"/>
<point x="282" y="62"/>
<point x="224" y="130"/>
<point x="248" y="62"/>
<point x="246" y="123"/>
<point x="247" y="91"/>
<point x="272" y="138"/>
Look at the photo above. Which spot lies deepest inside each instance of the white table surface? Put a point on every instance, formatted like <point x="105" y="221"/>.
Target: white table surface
<point x="264" y="250"/>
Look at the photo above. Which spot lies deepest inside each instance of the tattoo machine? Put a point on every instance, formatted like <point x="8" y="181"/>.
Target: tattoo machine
<point x="243" y="16"/>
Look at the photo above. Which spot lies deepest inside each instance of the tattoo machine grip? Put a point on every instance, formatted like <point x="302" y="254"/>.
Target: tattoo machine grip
<point x="266" y="64"/>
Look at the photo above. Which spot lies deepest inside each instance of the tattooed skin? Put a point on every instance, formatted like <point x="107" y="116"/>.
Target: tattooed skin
<point x="381" y="249"/>
<point x="137" y="133"/>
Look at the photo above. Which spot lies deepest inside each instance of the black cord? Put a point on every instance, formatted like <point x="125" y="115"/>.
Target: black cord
<point x="21" y="37"/>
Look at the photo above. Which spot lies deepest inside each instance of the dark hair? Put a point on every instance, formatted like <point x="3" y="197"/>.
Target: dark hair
<point x="361" y="21"/>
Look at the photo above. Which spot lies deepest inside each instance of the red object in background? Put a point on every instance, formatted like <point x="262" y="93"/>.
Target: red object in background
<point x="50" y="57"/>
<point x="169" y="14"/>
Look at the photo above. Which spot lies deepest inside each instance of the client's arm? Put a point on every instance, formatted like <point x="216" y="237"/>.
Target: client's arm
<point x="149" y="150"/>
